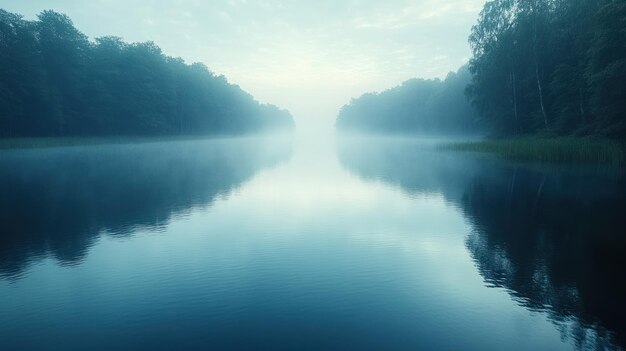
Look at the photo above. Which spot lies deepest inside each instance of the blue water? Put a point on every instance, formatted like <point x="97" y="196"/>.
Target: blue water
<point x="259" y="244"/>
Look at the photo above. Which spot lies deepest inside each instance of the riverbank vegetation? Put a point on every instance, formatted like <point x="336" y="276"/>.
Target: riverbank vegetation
<point x="554" y="71"/>
<point x="55" y="82"/>
<point x="553" y="150"/>
<point x="546" y="81"/>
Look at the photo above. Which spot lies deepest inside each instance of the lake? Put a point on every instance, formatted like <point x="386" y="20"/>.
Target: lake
<point x="354" y="243"/>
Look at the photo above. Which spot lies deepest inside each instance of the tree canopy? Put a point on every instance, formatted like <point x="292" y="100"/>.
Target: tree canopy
<point x="550" y="66"/>
<point x="54" y="81"/>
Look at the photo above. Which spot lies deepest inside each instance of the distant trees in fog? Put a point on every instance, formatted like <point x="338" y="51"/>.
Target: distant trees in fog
<point x="55" y="82"/>
<point x="416" y="106"/>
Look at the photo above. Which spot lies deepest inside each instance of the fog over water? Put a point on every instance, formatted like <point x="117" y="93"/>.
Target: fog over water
<point x="150" y="202"/>
<point x="275" y="243"/>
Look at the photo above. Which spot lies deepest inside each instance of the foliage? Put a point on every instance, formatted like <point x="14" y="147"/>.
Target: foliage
<point x="55" y="82"/>
<point x="550" y="65"/>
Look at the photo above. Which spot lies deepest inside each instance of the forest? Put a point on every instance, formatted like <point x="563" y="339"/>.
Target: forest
<point x="416" y="106"/>
<point x="554" y="67"/>
<point x="538" y="67"/>
<point x="54" y="81"/>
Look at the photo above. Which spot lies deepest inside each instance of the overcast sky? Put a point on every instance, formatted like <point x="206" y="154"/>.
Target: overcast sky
<point x="309" y="56"/>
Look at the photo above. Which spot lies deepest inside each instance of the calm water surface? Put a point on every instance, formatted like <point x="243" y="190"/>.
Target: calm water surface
<point x="252" y="244"/>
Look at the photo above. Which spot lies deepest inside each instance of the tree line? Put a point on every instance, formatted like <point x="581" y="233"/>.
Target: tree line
<point x="556" y="67"/>
<point x="416" y="106"/>
<point x="547" y="67"/>
<point x="54" y="81"/>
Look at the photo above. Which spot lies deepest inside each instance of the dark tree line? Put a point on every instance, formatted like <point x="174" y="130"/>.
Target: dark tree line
<point x="54" y="81"/>
<point x="416" y="106"/>
<point x="551" y="66"/>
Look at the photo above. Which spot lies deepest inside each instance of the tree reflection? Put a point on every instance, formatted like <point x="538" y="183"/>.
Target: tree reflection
<point x="555" y="241"/>
<point x="552" y="237"/>
<point x="57" y="202"/>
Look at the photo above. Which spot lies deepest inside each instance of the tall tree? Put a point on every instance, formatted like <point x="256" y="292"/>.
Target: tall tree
<point x="64" y="52"/>
<point x="607" y="68"/>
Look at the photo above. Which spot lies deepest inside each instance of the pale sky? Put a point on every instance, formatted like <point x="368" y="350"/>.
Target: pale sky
<point x="310" y="56"/>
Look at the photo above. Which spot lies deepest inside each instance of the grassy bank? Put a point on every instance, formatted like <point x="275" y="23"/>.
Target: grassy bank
<point x="553" y="150"/>
<point x="50" y="142"/>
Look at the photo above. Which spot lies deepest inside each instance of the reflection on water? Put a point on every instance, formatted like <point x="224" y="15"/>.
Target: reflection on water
<point x="552" y="236"/>
<point x="556" y="241"/>
<point x="56" y="202"/>
<point x="251" y="244"/>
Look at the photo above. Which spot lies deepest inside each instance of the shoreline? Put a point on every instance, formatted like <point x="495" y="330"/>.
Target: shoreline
<point x="57" y="142"/>
<point x="562" y="150"/>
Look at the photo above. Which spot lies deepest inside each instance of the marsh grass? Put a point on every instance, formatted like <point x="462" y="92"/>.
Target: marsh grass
<point x="549" y="150"/>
